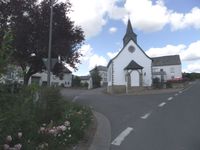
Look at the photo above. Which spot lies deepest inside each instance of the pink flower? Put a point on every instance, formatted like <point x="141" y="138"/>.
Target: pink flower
<point x="18" y="146"/>
<point x="6" y="147"/>
<point x="52" y="131"/>
<point x="9" y="138"/>
<point x="63" y="128"/>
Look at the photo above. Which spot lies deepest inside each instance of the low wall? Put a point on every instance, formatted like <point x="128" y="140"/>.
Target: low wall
<point x="116" y="89"/>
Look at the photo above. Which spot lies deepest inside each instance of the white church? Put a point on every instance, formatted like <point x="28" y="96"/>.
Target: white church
<point x="133" y="68"/>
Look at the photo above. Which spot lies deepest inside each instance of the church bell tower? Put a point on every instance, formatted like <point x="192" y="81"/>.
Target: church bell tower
<point x="130" y="35"/>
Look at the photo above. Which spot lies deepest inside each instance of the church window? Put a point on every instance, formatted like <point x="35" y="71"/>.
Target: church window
<point x="131" y="49"/>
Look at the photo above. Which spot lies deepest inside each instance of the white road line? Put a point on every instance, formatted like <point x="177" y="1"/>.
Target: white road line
<point x="176" y="94"/>
<point x="146" y="115"/>
<point x="170" y="98"/>
<point x="122" y="136"/>
<point x="161" y="104"/>
<point x="75" y="98"/>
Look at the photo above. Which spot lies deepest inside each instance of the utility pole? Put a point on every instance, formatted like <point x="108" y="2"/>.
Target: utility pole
<point x="50" y="44"/>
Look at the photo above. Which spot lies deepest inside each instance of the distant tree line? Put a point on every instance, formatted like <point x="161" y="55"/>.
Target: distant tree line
<point x="191" y="76"/>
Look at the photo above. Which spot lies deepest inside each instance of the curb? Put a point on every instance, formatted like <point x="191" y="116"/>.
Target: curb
<point x="102" y="137"/>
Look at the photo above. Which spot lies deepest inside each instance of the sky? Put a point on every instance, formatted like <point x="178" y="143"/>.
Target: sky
<point x="163" y="27"/>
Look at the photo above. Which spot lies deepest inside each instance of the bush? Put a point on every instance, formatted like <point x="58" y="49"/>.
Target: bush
<point x="40" y="119"/>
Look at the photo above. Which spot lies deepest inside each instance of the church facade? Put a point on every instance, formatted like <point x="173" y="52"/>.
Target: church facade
<point x="132" y="68"/>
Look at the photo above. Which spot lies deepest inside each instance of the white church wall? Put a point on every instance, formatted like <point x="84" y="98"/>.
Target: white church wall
<point x="124" y="58"/>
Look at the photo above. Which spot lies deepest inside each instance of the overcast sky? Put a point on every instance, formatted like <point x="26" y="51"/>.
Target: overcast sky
<point x="163" y="27"/>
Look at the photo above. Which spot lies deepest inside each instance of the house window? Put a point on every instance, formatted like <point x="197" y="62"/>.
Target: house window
<point x="172" y="69"/>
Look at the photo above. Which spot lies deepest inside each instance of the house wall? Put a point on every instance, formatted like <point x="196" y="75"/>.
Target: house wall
<point x="124" y="58"/>
<point x="172" y="71"/>
<point x="55" y="81"/>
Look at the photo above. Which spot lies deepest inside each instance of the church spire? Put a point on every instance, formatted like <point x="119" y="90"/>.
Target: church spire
<point x="130" y="35"/>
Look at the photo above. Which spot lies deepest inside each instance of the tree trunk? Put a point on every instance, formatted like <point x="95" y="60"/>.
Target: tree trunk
<point x="26" y="78"/>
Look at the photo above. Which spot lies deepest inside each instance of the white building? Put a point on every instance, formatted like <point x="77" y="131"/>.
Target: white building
<point x="41" y="79"/>
<point x="167" y="67"/>
<point x="131" y="68"/>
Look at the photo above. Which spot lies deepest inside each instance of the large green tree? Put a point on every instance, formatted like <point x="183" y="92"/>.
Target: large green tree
<point x="29" y="23"/>
<point x="96" y="78"/>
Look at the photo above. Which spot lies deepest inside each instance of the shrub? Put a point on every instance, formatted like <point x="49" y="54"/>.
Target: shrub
<point x="37" y="119"/>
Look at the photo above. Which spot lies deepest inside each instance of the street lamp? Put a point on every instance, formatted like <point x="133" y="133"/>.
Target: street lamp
<point x="50" y="43"/>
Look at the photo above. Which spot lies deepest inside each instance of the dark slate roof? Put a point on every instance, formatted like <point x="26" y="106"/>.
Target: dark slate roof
<point x="129" y="34"/>
<point x="84" y="77"/>
<point x="100" y="68"/>
<point x="166" y="60"/>
<point x="66" y="70"/>
<point x="133" y="66"/>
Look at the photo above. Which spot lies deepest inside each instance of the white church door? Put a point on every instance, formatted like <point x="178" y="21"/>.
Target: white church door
<point x="135" y="78"/>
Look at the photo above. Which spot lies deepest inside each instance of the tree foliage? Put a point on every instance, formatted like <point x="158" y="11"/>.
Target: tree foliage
<point x="96" y="78"/>
<point x="5" y="51"/>
<point x="29" y="23"/>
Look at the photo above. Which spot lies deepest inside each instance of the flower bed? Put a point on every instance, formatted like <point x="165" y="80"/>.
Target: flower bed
<point x="35" y="119"/>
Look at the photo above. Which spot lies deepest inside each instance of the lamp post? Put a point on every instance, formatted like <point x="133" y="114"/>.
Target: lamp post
<point x="50" y="43"/>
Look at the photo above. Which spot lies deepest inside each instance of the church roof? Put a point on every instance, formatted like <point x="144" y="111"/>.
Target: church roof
<point x="166" y="60"/>
<point x="133" y="66"/>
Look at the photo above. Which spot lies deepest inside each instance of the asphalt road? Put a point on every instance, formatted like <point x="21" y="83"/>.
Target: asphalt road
<point x="150" y="122"/>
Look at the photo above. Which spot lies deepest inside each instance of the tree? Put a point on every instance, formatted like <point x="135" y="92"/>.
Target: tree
<point x="96" y="78"/>
<point x="29" y="23"/>
<point x="76" y="81"/>
<point x="5" y="51"/>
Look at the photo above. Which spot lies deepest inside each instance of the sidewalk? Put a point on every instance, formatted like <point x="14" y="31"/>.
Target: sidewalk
<point x="102" y="137"/>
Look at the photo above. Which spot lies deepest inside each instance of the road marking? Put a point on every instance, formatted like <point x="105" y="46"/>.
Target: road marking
<point x="170" y="98"/>
<point x="146" y="115"/>
<point x="180" y="92"/>
<point x="75" y="98"/>
<point x="122" y="136"/>
<point x="161" y="104"/>
<point x="176" y="94"/>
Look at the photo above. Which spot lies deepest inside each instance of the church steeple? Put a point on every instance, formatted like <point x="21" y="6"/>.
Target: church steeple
<point x="130" y="35"/>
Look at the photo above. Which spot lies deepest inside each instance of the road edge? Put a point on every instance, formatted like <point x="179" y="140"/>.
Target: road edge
<point x="102" y="137"/>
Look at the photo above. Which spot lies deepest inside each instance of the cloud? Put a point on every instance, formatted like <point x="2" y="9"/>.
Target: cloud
<point x="193" y="67"/>
<point x="147" y="16"/>
<point x="189" y="54"/>
<point x="89" y="58"/>
<point x="112" y="54"/>
<point x="167" y="50"/>
<point x="192" y="52"/>
<point x="113" y="30"/>
<point x="181" y="21"/>
<point x="97" y="60"/>
<point x="91" y="14"/>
